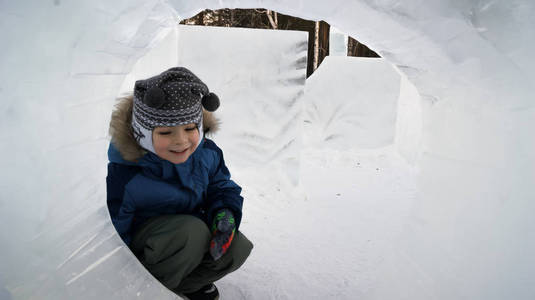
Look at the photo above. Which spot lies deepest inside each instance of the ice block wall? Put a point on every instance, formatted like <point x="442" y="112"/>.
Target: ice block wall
<point x="471" y="234"/>
<point x="359" y="107"/>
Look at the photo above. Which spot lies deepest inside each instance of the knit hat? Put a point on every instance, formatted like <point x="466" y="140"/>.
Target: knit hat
<point x="174" y="97"/>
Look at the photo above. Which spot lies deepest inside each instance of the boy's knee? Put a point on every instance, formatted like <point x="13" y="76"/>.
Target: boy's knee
<point x="194" y="232"/>
<point x="241" y="250"/>
<point x="194" y="225"/>
<point x="183" y="233"/>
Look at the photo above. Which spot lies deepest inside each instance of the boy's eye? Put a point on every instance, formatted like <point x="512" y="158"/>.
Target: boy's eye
<point x="191" y="128"/>
<point x="164" y="132"/>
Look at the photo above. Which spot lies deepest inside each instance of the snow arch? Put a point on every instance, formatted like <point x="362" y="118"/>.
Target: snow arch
<point x="471" y="232"/>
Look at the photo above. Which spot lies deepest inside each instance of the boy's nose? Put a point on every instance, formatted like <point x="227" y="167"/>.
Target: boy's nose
<point x="180" y="138"/>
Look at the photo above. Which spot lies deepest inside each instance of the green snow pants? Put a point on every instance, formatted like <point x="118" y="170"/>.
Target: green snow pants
<point x="174" y="249"/>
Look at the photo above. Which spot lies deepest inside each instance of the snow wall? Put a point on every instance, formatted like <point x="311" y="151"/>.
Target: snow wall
<point x="470" y="235"/>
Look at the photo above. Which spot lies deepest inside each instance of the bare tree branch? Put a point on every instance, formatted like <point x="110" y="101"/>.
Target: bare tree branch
<point x="273" y="22"/>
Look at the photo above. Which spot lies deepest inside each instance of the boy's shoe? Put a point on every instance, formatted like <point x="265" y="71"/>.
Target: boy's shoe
<point x="207" y="292"/>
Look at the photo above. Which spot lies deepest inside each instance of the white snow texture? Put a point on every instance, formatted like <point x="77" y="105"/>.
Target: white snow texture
<point x="407" y="177"/>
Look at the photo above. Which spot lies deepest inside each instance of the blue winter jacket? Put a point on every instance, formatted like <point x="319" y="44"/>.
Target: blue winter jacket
<point x="153" y="186"/>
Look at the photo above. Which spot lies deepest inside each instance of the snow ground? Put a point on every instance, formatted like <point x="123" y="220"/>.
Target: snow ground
<point x="327" y="239"/>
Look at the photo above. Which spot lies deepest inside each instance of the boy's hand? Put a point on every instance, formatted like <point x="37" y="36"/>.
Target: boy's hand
<point x="223" y="229"/>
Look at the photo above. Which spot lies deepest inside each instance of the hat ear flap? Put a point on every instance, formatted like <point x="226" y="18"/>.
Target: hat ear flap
<point x="210" y="102"/>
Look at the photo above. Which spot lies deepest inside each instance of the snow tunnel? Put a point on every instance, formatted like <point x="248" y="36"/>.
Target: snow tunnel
<point x="467" y="232"/>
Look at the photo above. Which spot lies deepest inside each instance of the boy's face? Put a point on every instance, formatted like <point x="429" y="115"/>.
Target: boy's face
<point x="175" y="144"/>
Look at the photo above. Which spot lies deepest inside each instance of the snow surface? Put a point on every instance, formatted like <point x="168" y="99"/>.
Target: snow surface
<point x="443" y="212"/>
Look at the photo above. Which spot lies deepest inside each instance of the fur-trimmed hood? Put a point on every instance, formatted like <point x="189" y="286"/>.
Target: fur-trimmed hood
<point x="122" y="135"/>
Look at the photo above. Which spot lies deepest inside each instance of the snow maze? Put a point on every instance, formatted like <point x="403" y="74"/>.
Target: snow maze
<point x="419" y="188"/>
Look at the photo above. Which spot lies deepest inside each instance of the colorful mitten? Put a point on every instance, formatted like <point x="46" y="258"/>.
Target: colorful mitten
<point x="223" y="230"/>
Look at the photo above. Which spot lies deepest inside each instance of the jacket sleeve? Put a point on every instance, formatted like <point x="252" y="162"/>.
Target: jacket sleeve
<point x="222" y="191"/>
<point x="120" y="204"/>
<point x="123" y="219"/>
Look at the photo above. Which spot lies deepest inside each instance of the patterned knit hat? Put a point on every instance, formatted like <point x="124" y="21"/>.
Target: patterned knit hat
<point x="175" y="97"/>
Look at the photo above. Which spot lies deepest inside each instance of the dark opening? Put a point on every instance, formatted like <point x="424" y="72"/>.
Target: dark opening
<point x="318" y="32"/>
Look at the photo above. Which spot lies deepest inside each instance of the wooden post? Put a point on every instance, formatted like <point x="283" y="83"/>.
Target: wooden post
<point x="316" y="45"/>
<point x="323" y="41"/>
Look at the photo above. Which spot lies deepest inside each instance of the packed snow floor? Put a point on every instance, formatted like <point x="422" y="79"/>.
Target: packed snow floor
<point x="317" y="241"/>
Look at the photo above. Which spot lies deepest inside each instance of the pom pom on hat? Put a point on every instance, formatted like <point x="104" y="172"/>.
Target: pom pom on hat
<point x="210" y="102"/>
<point x="154" y="97"/>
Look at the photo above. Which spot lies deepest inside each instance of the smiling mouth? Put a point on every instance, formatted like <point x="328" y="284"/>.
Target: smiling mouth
<point x="178" y="152"/>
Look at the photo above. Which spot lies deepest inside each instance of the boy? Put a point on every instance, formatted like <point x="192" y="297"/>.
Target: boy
<point x="170" y="195"/>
